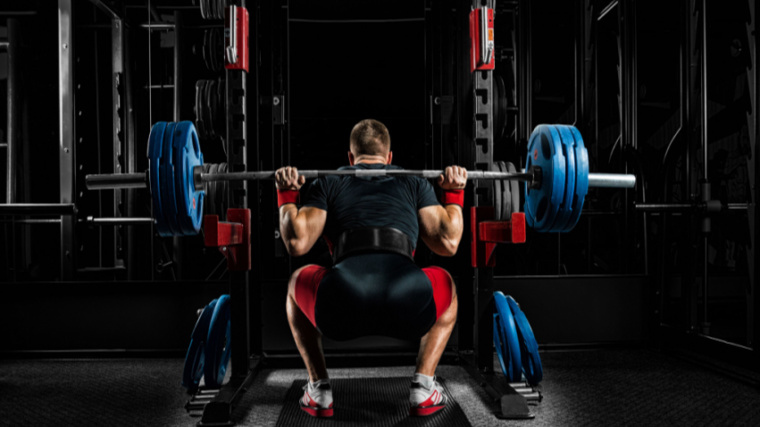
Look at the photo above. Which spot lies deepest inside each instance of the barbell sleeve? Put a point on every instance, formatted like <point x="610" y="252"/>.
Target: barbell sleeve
<point x="140" y="180"/>
<point x="611" y="180"/>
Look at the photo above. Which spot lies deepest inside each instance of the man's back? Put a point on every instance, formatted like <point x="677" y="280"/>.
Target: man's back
<point x="358" y="202"/>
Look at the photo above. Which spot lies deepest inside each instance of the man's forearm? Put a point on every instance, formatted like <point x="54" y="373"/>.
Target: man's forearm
<point x="288" y="214"/>
<point x="452" y="227"/>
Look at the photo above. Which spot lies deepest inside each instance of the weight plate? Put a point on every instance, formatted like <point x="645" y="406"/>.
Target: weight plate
<point x="155" y="146"/>
<point x="195" y="357"/>
<point x="199" y="109"/>
<point x="168" y="199"/>
<point x="178" y="153"/>
<point x="545" y="151"/>
<point x="514" y="189"/>
<point x="565" y="211"/>
<point x="208" y="209"/>
<point x="581" y="178"/>
<point x="187" y="155"/>
<point x="499" y="344"/>
<point x="217" y="49"/>
<point x="506" y="195"/>
<point x="506" y="333"/>
<point x="218" y="192"/>
<point x="207" y="109"/>
<point x="204" y="48"/>
<point x="500" y="107"/>
<point x="222" y="191"/>
<point x="218" y="343"/>
<point x="211" y="101"/>
<point x="496" y="193"/>
<point x="531" y="361"/>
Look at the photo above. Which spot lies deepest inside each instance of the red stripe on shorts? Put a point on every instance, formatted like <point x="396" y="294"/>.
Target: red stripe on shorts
<point x="441" y="283"/>
<point x="307" y="284"/>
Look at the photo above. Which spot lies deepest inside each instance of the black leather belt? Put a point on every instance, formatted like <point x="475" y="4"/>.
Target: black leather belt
<point x="372" y="239"/>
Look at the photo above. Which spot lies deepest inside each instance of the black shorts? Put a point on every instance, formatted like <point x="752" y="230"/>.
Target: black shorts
<point x="373" y="294"/>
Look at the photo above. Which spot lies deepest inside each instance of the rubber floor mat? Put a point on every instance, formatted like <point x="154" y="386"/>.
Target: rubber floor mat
<point x="369" y="402"/>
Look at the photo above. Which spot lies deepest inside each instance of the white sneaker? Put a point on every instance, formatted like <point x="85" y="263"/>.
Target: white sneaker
<point x="425" y="397"/>
<point x="317" y="399"/>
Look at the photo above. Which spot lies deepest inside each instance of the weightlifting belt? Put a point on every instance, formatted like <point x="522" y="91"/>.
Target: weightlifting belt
<point x="372" y="239"/>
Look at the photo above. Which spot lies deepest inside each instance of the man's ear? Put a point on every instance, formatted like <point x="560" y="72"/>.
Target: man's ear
<point x="390" y="157"/>
<point x="351" y="158"/>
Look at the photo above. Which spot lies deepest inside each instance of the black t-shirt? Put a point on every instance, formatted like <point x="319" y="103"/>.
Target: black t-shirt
<point x="384" y="201"/>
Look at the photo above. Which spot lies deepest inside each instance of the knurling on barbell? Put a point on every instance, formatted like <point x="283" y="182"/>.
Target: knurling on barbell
<point x="556" y="178"/>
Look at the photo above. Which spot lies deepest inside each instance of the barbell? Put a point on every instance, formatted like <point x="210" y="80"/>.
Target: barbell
<point x="556" y="178"/>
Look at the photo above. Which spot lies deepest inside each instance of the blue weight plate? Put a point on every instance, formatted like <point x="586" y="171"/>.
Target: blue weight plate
<point x="529" y="216"/>
<point x="565" y="211"/>
<point x="187" y="155"/>
<point x="155" y="142"/>
<point x="178" y="139"/>
<point x="531" y="361"/>
<point x="498" y="341"/>
<point x="581" y="178"/>
<point x="218" y="343"/>
<point x="508" y="336"/>
<point x="195" y="357"/>
<point x="545" y="151"/>
<point x="168" y="201"/>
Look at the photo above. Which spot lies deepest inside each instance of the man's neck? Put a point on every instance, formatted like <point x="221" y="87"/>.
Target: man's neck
<point x="370" y="160"/>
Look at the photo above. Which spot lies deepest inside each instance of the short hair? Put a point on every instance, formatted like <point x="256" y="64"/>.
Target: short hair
<point x="370" y="137"/>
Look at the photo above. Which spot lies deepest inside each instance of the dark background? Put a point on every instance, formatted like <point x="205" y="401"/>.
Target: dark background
<point x="626" y="73"/>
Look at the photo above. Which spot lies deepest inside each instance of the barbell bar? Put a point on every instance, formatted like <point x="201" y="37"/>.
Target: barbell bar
<point x="556" y="177"/>
<point x="140" y="180"/>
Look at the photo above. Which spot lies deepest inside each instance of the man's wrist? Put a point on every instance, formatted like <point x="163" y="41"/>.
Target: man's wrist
<point x="453" y="197"/>
<point x="287" y="196"/>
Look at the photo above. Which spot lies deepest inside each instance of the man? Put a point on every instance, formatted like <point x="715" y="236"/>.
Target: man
<point x="371" y="225"/>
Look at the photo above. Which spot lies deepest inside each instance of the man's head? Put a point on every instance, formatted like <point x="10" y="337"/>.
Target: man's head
<point x="370" y="143"/>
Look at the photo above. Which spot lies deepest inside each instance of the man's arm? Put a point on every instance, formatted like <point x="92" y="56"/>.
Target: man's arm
<point x="300" y="228"/>
<point x="441" y="227"/>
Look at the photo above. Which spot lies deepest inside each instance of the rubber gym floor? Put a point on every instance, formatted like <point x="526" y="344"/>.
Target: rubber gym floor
<point x="609" y="387"/>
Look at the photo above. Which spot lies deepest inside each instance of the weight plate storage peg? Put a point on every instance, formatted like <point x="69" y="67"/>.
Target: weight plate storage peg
<point x="218" y="344"/>
<point x="506" y="340"/>
<point x="195" y="357"/>
<point x="531" y="361"/>
<point x="542" y="204"/>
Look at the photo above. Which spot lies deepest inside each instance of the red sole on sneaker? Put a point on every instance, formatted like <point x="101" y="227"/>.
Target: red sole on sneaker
<point x="319" y="413"/>
<point x="424" y="411"/>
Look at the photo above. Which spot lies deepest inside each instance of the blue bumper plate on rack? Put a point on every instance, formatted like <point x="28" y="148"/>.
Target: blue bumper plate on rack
<point x="506" y="339"/>
<point x="195" y="358"/>
<point x="531" y="361"/>
<point x="218" y="343"/>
